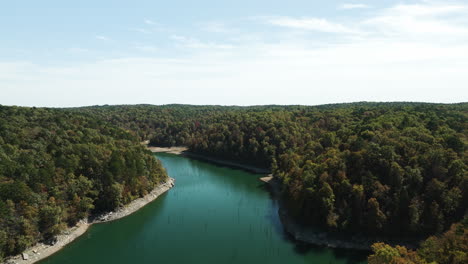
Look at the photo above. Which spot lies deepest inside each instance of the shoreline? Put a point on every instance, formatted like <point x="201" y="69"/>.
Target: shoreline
<point x="182" y="151"/>
<point x="297" y="231"/>
<point x="41" y="251"/>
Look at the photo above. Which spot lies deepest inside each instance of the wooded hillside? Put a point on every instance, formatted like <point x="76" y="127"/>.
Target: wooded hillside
<point x="58" y="167"/>
<point x="397" y="169"/>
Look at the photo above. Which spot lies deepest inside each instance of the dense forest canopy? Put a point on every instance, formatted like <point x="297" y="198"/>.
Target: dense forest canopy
<point x="57" y="167"/>
<point x="388" y="169"/>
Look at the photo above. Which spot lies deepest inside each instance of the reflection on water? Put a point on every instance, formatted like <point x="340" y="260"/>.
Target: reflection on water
<point x="212" y="215"/>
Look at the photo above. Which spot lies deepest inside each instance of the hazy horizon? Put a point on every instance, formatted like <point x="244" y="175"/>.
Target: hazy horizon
<point x="310" y="105"/>
<point x="56" y="54"/>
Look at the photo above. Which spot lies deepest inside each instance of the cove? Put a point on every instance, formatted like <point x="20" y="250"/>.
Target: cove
<point x="213" y="215"/>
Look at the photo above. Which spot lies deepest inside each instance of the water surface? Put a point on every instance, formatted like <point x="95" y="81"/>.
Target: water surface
<point x="212" y="215"/>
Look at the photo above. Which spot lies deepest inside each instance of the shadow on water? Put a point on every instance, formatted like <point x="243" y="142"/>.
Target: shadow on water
<point x="352" y="256"/>
<point x="252" y="169"/>
<point x="303" y="248"/>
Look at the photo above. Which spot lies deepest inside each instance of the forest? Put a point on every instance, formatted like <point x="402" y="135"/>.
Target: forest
<point x="393" y="170"/>
<point x="448" y="248"/>
<point x="58" y="167"/>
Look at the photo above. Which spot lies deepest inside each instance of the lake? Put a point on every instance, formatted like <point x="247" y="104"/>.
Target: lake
<point x="213" y="215"/>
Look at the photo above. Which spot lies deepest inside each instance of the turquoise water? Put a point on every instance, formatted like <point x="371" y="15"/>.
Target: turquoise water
<point x="212" y="215"/>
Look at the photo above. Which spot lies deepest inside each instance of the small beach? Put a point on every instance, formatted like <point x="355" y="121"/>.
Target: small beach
<point x="171" y="150"/>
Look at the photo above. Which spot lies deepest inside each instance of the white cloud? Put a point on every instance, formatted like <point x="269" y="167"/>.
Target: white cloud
<point x="151" y="27"/>
<point x="426" y="19"/>
<point x="104" y="38"/>
<point x="150" y="22"/>
<point x="314" y="24"/>
<point x="421" y="20"/>
<point x="353" y="6"/>
<point x="147" y="48"/>
<point x="427" y="9"/>
<point x="141" y="30"/>
<point x="193" y="43"/>
<point x="216" y="27"/>
<point x="78" y="50"/>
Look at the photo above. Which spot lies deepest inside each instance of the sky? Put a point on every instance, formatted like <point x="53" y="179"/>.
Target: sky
<point x="243" y="52"/>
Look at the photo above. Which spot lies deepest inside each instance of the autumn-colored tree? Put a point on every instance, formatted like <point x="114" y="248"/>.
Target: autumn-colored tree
<point x="385" y="254"/>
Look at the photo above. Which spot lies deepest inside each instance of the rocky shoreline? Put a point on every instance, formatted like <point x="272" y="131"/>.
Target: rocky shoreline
<point x="41" y="251"/>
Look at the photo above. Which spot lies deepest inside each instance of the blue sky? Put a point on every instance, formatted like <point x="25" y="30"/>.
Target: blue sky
<point x="73" y="53"/>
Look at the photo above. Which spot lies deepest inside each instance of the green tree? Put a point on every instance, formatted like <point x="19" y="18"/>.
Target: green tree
<point x="375" y="217"/>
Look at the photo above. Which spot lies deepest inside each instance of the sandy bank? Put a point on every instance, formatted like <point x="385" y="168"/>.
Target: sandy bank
<point x="172" y="150"/>
<point x="41" y="251"/>
<point x="267" y="179"/>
